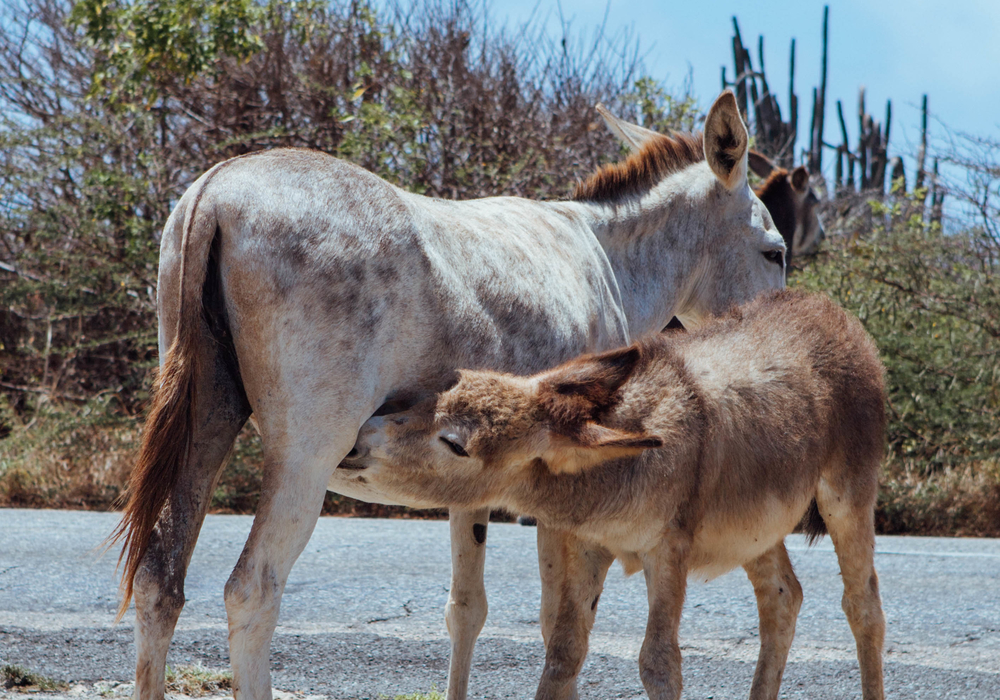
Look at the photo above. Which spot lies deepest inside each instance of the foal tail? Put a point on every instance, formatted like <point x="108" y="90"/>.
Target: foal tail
<point x="812" y="524"/>
<point x="167" y="436"/>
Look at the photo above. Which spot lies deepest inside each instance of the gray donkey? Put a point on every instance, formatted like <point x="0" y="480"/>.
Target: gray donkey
<point x="682" y="455"/>
<point x="311" y="294"/>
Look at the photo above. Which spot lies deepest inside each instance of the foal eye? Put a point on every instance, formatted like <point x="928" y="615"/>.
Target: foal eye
<point x="454" y="447"/>
<point x="775" y="256"/>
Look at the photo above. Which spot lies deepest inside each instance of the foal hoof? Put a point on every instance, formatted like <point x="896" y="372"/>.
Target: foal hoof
<point x="526" y="520"/>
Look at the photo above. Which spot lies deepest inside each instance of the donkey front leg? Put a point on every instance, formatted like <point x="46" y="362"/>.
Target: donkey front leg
<point x="290" y="503"/>
<point x="665" y="568"/>
<point x="573" y="575"/>
<point x="779" y="597"/>
<point x="466" y="610"/>
<point x="219" y="413"/>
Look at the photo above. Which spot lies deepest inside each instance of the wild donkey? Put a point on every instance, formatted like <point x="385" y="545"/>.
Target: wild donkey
<point x="792" y="203"/>
<point x="312" y="294"/>
<point x="682" y="455"/>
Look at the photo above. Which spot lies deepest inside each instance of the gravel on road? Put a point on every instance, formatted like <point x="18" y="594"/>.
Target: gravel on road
<point x="362" y="615"/>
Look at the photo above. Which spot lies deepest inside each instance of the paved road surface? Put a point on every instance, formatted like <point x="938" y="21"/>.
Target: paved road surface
<point x="362" y="614"/>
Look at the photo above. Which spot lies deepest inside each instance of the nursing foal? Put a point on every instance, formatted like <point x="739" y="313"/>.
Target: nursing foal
<point x="682" y="455"/>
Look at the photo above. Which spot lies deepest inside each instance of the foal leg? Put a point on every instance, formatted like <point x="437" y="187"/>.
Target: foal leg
<point x="219" y="412"/>
<point x="852" y="529"/>
<point x="665" y="569"/>
<point x="572" y="580"/>
<point x="779" y="597"/>
<point x="465" y="612"/>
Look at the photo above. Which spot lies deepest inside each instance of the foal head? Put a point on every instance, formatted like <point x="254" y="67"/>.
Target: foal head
<point x="491" y="432"/>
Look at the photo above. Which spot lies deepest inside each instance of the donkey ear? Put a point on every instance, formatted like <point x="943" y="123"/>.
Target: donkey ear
<point x="760" y="164"/>
<point x="800" y="179"/>
<point x="578" y="390"/>
<point x="592" y="445"/>
<point x="632" y="135"/>
<point x="726" y="142"/>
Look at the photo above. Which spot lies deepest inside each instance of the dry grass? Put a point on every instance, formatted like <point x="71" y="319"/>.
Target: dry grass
<point x="19" y="678"/>
<point x="197" y="681"/>
<point x="433" y="695"/>
<point x="958" y="502"/>
<point x="58" y="463"/>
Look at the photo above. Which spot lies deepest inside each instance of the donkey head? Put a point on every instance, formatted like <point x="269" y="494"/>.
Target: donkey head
<point x="792" y="203"/>
<point x="488" y="433"/>
<point x="699" y="195"/>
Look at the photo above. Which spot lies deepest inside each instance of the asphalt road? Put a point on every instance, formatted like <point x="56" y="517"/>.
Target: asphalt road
<point x="362" y="616"/>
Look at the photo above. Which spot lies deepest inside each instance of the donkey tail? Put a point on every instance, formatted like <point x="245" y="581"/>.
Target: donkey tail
<point x="812" y="524"/>
<point x="167" y="436"/>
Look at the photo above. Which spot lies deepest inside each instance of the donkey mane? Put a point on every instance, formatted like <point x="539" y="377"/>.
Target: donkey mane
<point x="642" y="170"/>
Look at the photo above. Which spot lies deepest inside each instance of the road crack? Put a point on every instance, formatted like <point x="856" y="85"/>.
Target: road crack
<point x="406" y="613"/>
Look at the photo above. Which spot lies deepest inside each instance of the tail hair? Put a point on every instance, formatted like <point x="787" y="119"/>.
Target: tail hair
<point x="812" y="524"/>
<point x="166" y="446"/>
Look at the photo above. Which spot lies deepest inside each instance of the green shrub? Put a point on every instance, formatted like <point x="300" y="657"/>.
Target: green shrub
<point x="931" y="301"/>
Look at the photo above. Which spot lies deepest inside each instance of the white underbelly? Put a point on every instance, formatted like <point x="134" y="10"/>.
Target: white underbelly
<point x="724" y="542"/>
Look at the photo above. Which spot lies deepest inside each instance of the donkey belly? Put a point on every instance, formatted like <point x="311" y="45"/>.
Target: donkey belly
<point x="726" y="540"/>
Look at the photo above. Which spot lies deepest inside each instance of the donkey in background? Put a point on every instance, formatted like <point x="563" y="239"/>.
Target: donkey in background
<point x="792" y="203"/>
<point x="687" y="454"/>
<point x="312" y="294"/>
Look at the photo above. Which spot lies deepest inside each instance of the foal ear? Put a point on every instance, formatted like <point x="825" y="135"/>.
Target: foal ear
<point x="760" y="164"/>
<point x="800" y="179"/>
<point x="592" y="445"/>
<point x="578" y="390"/>
<point x="632" y="135"/>
<point x="726" y="141"/>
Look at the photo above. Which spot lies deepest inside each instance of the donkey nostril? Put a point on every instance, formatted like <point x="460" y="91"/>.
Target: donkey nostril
<point x="352" y="453"/>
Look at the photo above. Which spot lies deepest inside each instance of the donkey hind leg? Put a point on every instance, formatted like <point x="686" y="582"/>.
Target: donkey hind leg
<point x="779" y="597"/>
<point x="572" y="580"/>
<point x="220" y="411"/>
<point x="291" y="499"/>
<point x="665" y="568"/>
<point x="466" y="610"/>
<point x="852" y="529"/>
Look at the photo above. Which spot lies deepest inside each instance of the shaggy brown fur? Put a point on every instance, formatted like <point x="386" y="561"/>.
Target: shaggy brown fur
<point x="686" y="453"/>
<point x="642" y="170"/>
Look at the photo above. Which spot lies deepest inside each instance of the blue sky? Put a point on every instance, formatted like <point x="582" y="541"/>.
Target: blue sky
<point x="897" y="49"/>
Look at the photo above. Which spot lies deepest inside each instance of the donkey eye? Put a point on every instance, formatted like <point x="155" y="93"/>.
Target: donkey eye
<point x="775" y="256"/>
<point x="454" y="447"/>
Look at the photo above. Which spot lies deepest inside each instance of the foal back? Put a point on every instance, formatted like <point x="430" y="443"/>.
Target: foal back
<point x="793" y="393"/>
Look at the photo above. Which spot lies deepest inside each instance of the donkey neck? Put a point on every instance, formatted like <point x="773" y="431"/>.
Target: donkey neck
<point x="655" y="245"/>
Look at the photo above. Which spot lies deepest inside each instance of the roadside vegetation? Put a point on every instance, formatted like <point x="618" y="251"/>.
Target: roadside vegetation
<point x="19" y="679"/>
<point x="932" y="303"/>
<point x="197" y="681"/>
<point x="109" y="110"/>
